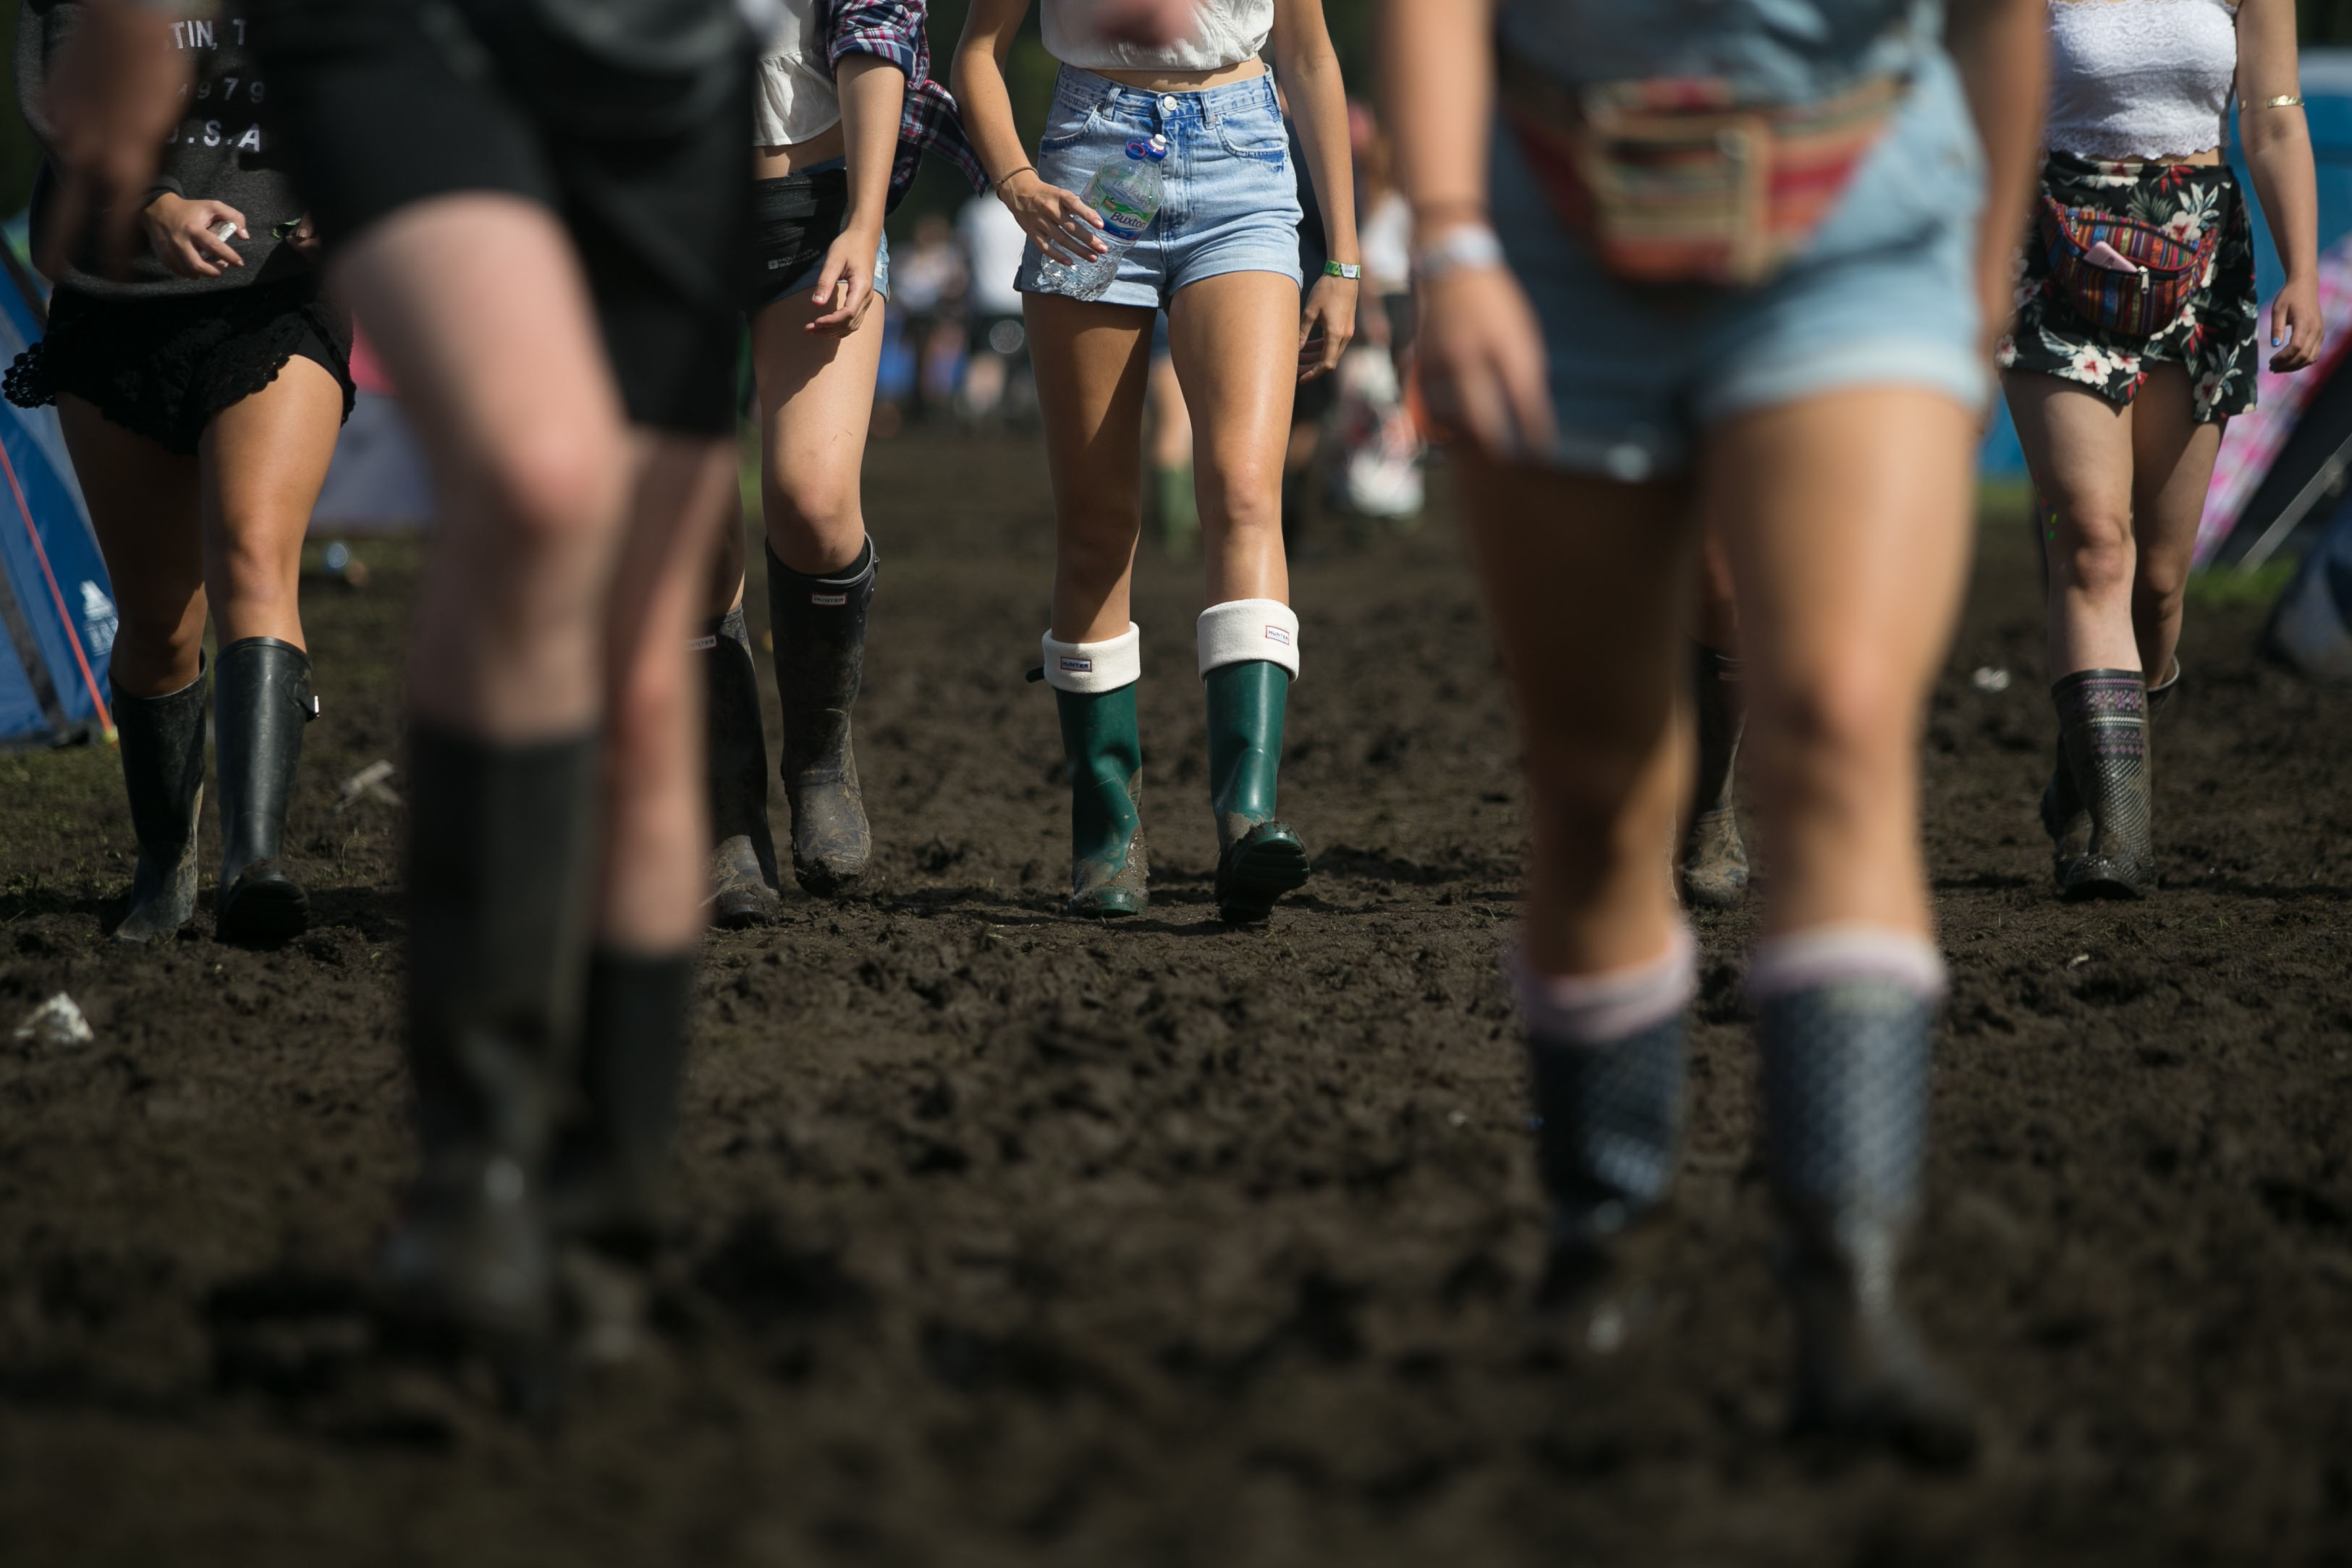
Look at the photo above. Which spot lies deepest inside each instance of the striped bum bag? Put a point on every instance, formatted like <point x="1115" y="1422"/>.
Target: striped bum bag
<point x="1672" y="180"/>
<point x="2130" y="278"/>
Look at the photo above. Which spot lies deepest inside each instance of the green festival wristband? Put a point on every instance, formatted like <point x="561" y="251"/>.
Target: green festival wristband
<point x="1347" y="270"/>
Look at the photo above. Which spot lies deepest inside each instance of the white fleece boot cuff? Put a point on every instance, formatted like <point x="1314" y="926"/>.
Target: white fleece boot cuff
<point x="1818" y="955"/>
<point x="1094" y="668"/>
<point x="1245" y="631"/>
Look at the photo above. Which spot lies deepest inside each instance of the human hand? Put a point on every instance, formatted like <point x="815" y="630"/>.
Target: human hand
<point x="304" y="237"/>
<point x="111" y="95"/>
<point x="180" y="233"/>
<point x="845" y="283"/>
<point x="1066" y="228"/>
<point x="1480" y="350"/>
<point x="2296" y="327"/>
<point x="1326" y="326"/>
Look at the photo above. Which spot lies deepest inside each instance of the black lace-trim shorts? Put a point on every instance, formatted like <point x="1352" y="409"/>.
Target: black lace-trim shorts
<point x="162" y="367"/>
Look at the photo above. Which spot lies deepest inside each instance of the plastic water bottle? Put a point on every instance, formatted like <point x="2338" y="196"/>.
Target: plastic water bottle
<point x="1127" y="192"/>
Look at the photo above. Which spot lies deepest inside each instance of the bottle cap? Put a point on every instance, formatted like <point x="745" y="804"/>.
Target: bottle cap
<point x="1154" y="148"/>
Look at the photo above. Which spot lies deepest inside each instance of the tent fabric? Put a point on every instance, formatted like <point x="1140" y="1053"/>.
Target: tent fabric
<point x="57" y="604"/>
<point x="2254" y="440"/>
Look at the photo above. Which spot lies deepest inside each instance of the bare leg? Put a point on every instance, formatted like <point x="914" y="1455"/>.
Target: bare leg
<point x="2172" y="467"/>
<point x="479" y="306"/>
<point x="656" y="825"/>
<point x="1234" y="340"/>
<point x="1091" y="363"/>
<point x="1594" y="671"/>
<point x="817" y="399"/>
<point x="265" y="457"/>
<point x="1847" y="521"/>
<point x="2078" y="447"/>
<point x="143" y="503"/>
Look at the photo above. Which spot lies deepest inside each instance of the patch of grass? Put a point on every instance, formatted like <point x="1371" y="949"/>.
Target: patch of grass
<point x="2227" y="588"/>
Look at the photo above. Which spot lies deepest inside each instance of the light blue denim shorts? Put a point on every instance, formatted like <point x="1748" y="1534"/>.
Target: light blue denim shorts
<point x="1232" y="195"/>
<point x="1883" y="295"/>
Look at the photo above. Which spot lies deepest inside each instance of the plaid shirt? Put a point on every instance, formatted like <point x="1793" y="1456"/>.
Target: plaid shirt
<point x="893" y="30"/>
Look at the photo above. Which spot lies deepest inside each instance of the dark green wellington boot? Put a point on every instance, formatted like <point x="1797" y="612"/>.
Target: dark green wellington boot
<point x="1713" y="860"/>
<point x="501" y="855"/>
<point x="1110" y="867"/>
<point x="261" y="702"/>
<point x="743" y="851"/>
<point x="819" y="625"/>
<point x="162" y="743"/>
<point x="1259" y="859"/>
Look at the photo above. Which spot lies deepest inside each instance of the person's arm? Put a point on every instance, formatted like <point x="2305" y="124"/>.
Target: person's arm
<point x="1065" y="228"/>
<point x="2002" y="49"/>
<point x="112" y="93"/>
<point x="1479" y="345"/>
<point x="2277" y="140"/>
<point x="872" y="98"/>
<point x="1309" y="69"/>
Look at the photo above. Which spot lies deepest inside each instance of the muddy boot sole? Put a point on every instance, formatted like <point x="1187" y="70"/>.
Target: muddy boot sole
<point x="740" y="898"/>
<point x="1257" y="870"/>
<point x="263" y="908"/>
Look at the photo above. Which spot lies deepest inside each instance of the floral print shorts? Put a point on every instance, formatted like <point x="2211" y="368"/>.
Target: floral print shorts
<point x="2214" y="338"/>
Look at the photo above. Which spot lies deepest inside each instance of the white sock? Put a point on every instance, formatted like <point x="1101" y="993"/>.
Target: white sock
<point x="1094" y="667"/>
<point x="1248" y="631"/>
<point x="1599" y="1010"/>
<point x="1821" y="954"/>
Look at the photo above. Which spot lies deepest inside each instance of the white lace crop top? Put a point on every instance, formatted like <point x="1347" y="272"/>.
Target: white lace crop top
<point x="796" y="98"/>
<point x="2140" y="78"/>
<point x="1224" y="33"/>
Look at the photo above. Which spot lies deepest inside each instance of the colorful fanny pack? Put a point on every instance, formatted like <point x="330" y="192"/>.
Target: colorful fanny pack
<point x="2127" y="277"/>
<point x="1672" y="180"/>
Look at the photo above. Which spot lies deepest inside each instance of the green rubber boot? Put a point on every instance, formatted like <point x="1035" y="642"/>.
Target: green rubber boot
<point x="1258" y="858"/>
<point x="1108" y="865"/>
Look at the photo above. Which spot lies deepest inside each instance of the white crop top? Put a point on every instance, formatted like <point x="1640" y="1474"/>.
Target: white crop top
<point x="796" y="97"/>
<point x="1224" y="33"/>
<point x="2140" y="78"/>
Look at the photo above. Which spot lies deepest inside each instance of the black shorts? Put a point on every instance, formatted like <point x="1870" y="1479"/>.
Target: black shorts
<point x="384" y="103"/>
<point x="162" y="367"/>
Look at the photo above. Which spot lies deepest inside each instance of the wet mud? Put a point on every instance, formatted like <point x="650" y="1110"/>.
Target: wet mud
<point x="1006" y="1238"/>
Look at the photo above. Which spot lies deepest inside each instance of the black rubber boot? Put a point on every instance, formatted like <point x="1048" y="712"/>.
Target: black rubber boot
<point x="501" y="856"/>
<point x="744" y="851"/>
<point x="613" y="1149"/>
<point x="162" y="743"/>
<point x="1845" y="1097"/>
<point x="1109" y="867"/>
<point x="1259" y="859"/>
<point x="1609" y="1144"/>
<point x="2103" y="733"/>
<point x="261" y="700"/>
<point x="819" y="624"/>
<point x="1714" y="861"/>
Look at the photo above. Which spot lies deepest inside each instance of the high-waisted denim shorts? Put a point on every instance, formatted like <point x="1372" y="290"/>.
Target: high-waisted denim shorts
<point x="1883" y="295"/>
<point x="1232" y="196"/>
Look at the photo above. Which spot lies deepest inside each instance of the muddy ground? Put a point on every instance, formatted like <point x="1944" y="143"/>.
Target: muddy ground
<point x="1006" y="1238"/>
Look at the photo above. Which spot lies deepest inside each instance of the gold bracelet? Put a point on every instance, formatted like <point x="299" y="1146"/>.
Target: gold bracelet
<point x="2283" y="100"/>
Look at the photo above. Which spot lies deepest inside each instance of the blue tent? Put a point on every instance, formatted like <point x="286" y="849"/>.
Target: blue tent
<point x="56" y="603"/>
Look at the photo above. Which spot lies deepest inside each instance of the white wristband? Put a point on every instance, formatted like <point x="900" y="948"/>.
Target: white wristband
<point x="1464" y="245"/>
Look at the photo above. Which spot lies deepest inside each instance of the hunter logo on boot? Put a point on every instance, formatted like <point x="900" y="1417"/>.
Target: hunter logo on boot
<point x="1276" y="634"/>
<point x="1077" y="666"/>
<point x="829" y="600"/>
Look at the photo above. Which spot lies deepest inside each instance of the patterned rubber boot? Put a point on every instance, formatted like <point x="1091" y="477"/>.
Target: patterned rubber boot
<point x="819" y="624"/>
<point x="1607" y="1055"/>
<point x="163" y="745"/>
<point x="501" y="850"/>
<point x="261" y="702"/>
<point x="1249" y="656"/>
<point x="1094" y="693"/>
<point x="744" y="851"/>
<point x="1713" y="860"/>
<point x="2102" y="731"/>
<point x="1845" y="1018"/>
